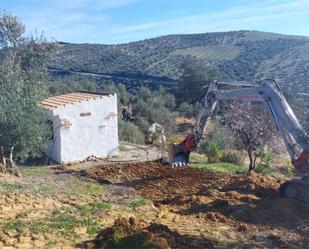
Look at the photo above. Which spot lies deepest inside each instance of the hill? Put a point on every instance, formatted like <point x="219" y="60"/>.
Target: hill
<point x="241" y="55"/>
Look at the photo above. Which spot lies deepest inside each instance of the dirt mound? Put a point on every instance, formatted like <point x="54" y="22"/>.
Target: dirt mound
<point x="258" y="184"/>
<point x="131" y="234"/>
<point x="162" y="183"/>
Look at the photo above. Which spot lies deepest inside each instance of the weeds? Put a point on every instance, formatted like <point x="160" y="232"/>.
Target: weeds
<point x="14" y="186"/>
<point x="89" y="208"/>
<point x="36" y="171"/>
<point x="221" y="167"/>
<point x="138" y="202"/>
<point x="17" y="225"/>
<point x="83" y="188"/>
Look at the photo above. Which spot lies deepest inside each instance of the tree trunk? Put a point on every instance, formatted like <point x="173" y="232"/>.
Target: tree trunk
<point x="2" y="161"/>
<point x="2" y="158"/>
<point x="251" y="165"/>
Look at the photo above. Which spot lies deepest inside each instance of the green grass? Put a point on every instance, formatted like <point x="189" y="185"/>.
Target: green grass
<point x="14" y="186"/>
<point x="83" y="188"/>
<point x="35" y="171"/>
<point x="62" y="222"/>
<point x="221" y="167"/>
<point x="89" y="208"/>
<point x="13" y="224"/>
<point x="138" y="202"/>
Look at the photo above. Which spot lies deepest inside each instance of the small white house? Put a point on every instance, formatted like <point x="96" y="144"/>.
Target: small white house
<point x="84" y="124"/>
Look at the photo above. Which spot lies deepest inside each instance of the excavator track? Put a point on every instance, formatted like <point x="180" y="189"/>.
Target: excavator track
<point x="297" y="189"/>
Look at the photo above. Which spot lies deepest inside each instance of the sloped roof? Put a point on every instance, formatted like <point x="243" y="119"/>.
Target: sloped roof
<point x="54" y="102"/>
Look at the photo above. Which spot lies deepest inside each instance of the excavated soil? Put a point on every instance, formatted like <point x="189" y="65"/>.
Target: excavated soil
<point x="134" y="235"/>
<point x="204" y="209"/>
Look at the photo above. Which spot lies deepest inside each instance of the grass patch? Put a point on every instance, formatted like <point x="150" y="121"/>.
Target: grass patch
<point x="89" y="208"/>
<point x="14" y="186"/>
<point x="138" y="202"/>
<point x="61" y="222"/>
<point x="83" y="188"/>
<point x="221" y="167"/>
<point x="34" y="171"/>
<point x="17" y="225"/>
<point x="39" y="227"/>
<point x="92" y="225"/>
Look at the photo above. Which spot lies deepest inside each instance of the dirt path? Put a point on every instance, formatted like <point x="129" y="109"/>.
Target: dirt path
<point x="216" y="210"/>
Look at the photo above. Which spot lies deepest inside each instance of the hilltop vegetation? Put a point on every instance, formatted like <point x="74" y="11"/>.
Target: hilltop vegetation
<point x="240" y="55"/>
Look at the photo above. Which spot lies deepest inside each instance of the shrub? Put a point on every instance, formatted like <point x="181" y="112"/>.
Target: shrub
<point x="290" y="169"/>
<point x="266" y="157"/>
<point x="211" y="149"/>
<point x="231" y="157"/>
<point x="130" y="133"/>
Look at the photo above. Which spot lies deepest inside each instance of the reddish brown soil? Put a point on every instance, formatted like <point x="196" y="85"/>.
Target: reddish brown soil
<point x="206" y="209"/>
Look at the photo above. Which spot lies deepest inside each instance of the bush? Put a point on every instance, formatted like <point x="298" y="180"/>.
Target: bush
<point x="130" y="133"/>
<point x="189" y="110"/>
<point x="211" y="149"/>
<point x="266" y="157"/>
<point x="290" y="169"/>
<point x="231" y="157"/>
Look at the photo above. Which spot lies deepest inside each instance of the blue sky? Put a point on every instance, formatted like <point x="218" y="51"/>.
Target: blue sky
<point x="119" y="21"/>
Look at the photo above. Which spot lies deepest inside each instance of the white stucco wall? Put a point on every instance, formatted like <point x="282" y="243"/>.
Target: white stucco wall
<point x="85" y="129"/>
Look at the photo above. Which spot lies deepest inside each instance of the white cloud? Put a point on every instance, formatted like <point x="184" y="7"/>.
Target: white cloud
<point x="108" y="4"/>
<point x="241" y="17"/>
<point x="92" y="20"/>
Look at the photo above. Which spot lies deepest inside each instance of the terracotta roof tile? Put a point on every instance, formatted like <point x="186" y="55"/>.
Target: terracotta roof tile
<point x="69" y="99"/>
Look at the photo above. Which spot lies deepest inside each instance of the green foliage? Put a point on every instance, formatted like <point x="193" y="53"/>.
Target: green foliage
<point x="22" y="86"/>
<point x="290" y="169"/>
<point x="92" y="225"/>
<point x="195" y="80"/>
<point x="138" y="202"/>
<point x="13" y="186"/>
<point x="189" y="110"/>
<point x="39" y="227"/>
<point x="129" y="132"/>
<point x="231" y="157"/>
<point x="89" y="208"/>
<point x="17" y="225"/>
<point x="211" y="149"/>
<point x="265" y="158"/>
<point x="221" y="167"/>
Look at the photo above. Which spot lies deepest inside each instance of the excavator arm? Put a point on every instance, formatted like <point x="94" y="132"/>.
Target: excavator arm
<point x="288" y="126"/>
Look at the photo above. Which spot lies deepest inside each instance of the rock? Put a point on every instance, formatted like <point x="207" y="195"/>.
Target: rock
<point x="24" y="239"/>
<point x="25" y="246"/>
<point x="39" y="244"/>
<point x="9" y="242"/>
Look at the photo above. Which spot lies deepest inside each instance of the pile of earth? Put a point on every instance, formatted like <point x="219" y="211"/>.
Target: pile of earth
<point x="134" y="235"/>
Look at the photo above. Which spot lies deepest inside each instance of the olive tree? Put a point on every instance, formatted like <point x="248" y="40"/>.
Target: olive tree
<point x="23" y="75"/>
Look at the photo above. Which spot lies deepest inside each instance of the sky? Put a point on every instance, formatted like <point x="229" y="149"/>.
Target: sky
<point x="121" y="21"/>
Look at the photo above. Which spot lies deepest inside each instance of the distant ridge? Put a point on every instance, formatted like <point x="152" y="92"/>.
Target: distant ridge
<point x="241" y="55"/>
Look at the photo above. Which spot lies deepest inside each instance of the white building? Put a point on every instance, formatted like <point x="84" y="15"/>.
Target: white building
<point x="84" y="124"/>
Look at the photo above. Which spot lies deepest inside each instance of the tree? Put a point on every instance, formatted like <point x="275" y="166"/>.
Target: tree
<point x="195" y="79"/>
<point x="23" y="84"/>
<point x="253" y="126"/>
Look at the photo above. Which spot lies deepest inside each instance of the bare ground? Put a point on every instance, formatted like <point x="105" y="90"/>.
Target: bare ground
<point x="76" y="207"/>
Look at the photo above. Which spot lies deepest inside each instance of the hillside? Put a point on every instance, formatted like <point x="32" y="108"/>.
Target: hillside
<point x="241" y="55"/>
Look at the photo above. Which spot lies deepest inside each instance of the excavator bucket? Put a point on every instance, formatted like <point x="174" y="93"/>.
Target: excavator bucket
<point x="176" y="157"/>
